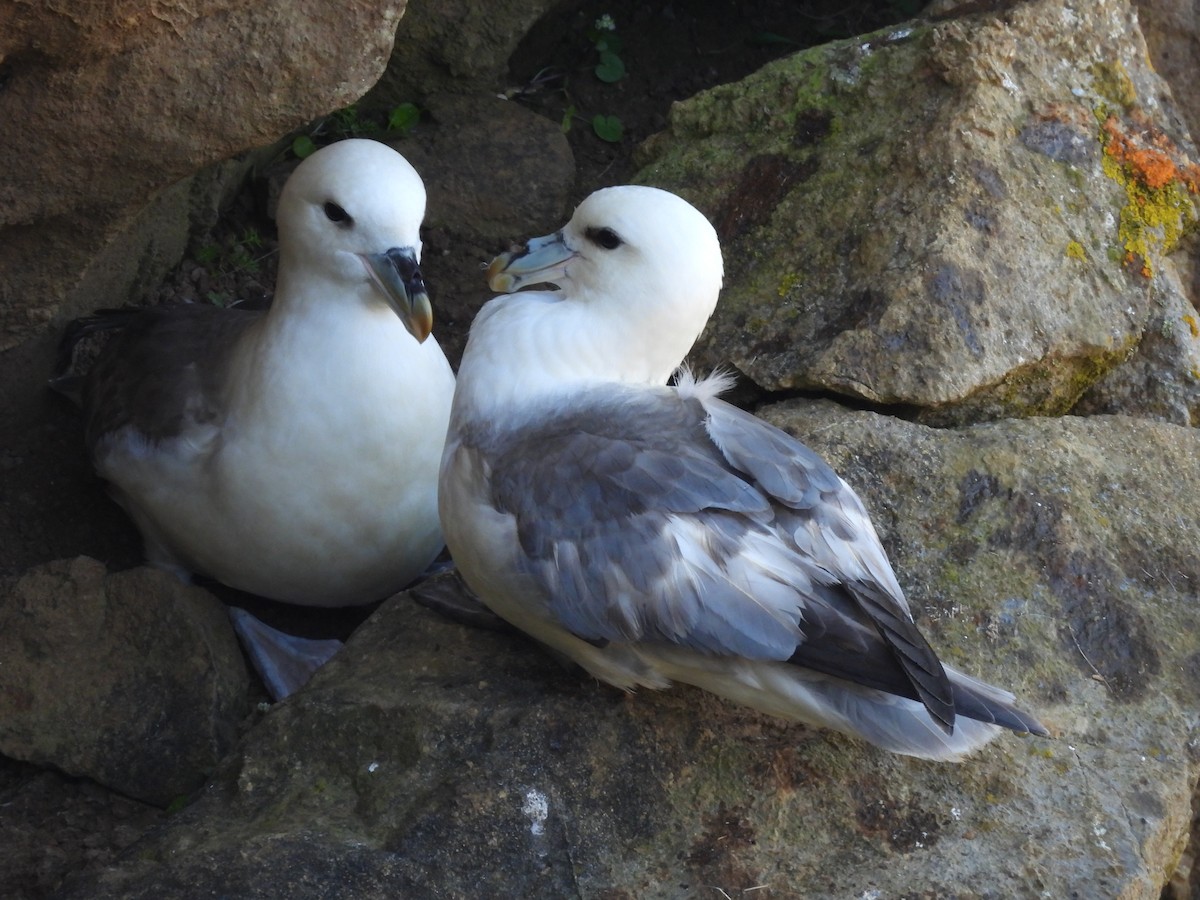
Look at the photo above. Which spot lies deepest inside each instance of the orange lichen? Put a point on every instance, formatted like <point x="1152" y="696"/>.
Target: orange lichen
<point x="1152" y="165"/>
<point x="1160" y="183"/>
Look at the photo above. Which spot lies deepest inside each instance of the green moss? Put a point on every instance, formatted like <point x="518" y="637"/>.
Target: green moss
<point x="1112" y="82"/>
<point x="786" y="283"/>
<point x="1050" y="387"/>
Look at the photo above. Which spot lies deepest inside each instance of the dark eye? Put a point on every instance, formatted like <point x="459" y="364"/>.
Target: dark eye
<point x="604" y="237"/>
<point x="336" y="214"/>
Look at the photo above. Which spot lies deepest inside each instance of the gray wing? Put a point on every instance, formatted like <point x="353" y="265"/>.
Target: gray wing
<point x="653" y="516"/>
<point x="161" y="374"/>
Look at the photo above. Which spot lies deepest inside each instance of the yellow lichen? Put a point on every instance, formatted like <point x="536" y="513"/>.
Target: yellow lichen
<point x="1159" y="191"/>
<point x="1112" y="82"/>
<point x="1190" y="320"/>
<point x="1075" y="251"/>
<point x="787" y="282"/>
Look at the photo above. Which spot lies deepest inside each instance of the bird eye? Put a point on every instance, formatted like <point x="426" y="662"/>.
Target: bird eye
<point x="604" y="237"/>
<point x="336" y="214"/>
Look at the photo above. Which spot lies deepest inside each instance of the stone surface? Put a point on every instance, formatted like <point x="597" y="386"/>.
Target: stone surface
<point x="435" y="758"/>
<point x="134" y="680"/>
<point x="965" y="217"/>
<point x="1172" y="29"/>
<point x="117" y="103"/>
<point x="456" y="45"/>
<point x="496" y="173"/>
<point x="1162" y="377"/>
<point x="51" y="826"/>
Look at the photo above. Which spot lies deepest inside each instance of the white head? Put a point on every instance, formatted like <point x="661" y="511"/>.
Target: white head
<point x="638" y="271"/>
<point x="350" y="215"/>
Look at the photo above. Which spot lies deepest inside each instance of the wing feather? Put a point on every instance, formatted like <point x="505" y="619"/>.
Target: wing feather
<point x="663" y="516"/>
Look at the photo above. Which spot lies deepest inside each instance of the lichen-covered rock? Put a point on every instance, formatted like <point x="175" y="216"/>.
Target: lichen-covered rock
<point x="1161" y="379"/>
<point x="1053" y="556"/>
<point x="134" y="680"/>
<point x="964" y="216"/>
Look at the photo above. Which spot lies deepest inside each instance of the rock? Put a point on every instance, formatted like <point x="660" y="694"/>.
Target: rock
<point x="1172" y="31"/>
<point x="1053" y="556"/>
<point x="116" y="104"/>
<point x="496" y="173"/>
<point x="455" y="45"/>
<point x="965" y="217"/>
<point x="134" y="680"/>
<point x="1161" y="379"/>
<point x="51" y="826"/>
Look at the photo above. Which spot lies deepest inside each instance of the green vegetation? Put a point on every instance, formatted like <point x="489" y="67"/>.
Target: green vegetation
<point x="352" y="121"/>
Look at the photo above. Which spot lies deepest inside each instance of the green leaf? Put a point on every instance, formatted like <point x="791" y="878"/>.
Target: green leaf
<point x="610" y="68"/>
<point x="607" y="40"/>
<point x="404" y="118"/>
<point x="303" y="147"/>
<point x="608" y="128"/>
<point x="568" y="118"/>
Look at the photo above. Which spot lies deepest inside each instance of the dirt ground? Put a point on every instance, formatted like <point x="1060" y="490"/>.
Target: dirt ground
<point x="52" y="507"/>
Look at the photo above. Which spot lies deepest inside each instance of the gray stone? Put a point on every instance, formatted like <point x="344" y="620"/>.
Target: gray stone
<point x="134" y="680"/>
<point x="51" y="826"/>
<point x="456" y="45"/>
<point x="1053" y="556"/>
<point x="495" y="173"/>
<point x="116" y="104"/>
<point x="1172" y="29"/>
<point x="1161" y="379"/>
<point x="930" y="215"/>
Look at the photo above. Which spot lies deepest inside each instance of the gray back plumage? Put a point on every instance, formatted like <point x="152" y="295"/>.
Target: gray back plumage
<point x="654" y="516"/>
<point x="161" y="372"/>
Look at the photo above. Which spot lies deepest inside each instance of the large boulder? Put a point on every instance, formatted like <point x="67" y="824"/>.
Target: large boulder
<point x="449" y="761"/>
<point x="964" y="217"/>
<point x="111" y="104"/>
<point x="134" y="680"/>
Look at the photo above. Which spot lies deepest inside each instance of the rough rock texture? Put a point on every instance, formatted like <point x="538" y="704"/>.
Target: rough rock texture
<point x="117" y="102"/>
<point x="436" y="758"/>
<point x="458" y="45"/>
<point x="965" y="216"/>
<point x="51" y="826"/>
<point x="1172" y="29"/>
<point x="1162" y="378"/>
<point x="495" y="173"/>
<point x="134" y="680"/>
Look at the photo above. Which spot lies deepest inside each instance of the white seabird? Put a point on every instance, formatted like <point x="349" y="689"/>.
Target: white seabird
<point x="292" y="454"/>
<point x="657" y="534"/>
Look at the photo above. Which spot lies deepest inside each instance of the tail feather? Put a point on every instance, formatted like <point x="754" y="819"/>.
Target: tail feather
<point x="975" y="699"/>
<point x="895" y="723"/>
<point x="65" y="379"/>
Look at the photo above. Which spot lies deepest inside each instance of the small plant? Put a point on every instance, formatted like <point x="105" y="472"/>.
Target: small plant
<point x="404" y="118"/>
<point x="603" y="35"/>
<point x="353" y="122"/>
<point x="607" y="128"/>
<point x="303" y="146"/>
<point x="609" y="69"/>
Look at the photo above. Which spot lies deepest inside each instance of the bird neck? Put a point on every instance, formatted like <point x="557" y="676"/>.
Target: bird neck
<point x="531" y="348"/>
<point x="307" y="346"/>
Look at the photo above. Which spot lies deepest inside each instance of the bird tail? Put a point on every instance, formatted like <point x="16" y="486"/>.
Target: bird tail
<point x="66" y="380"/>
<point x="902" y="725"/>
<point x="895" y="723"/>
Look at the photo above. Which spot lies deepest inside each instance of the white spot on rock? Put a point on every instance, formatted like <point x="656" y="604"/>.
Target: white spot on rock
<point x="537" y="807"/>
